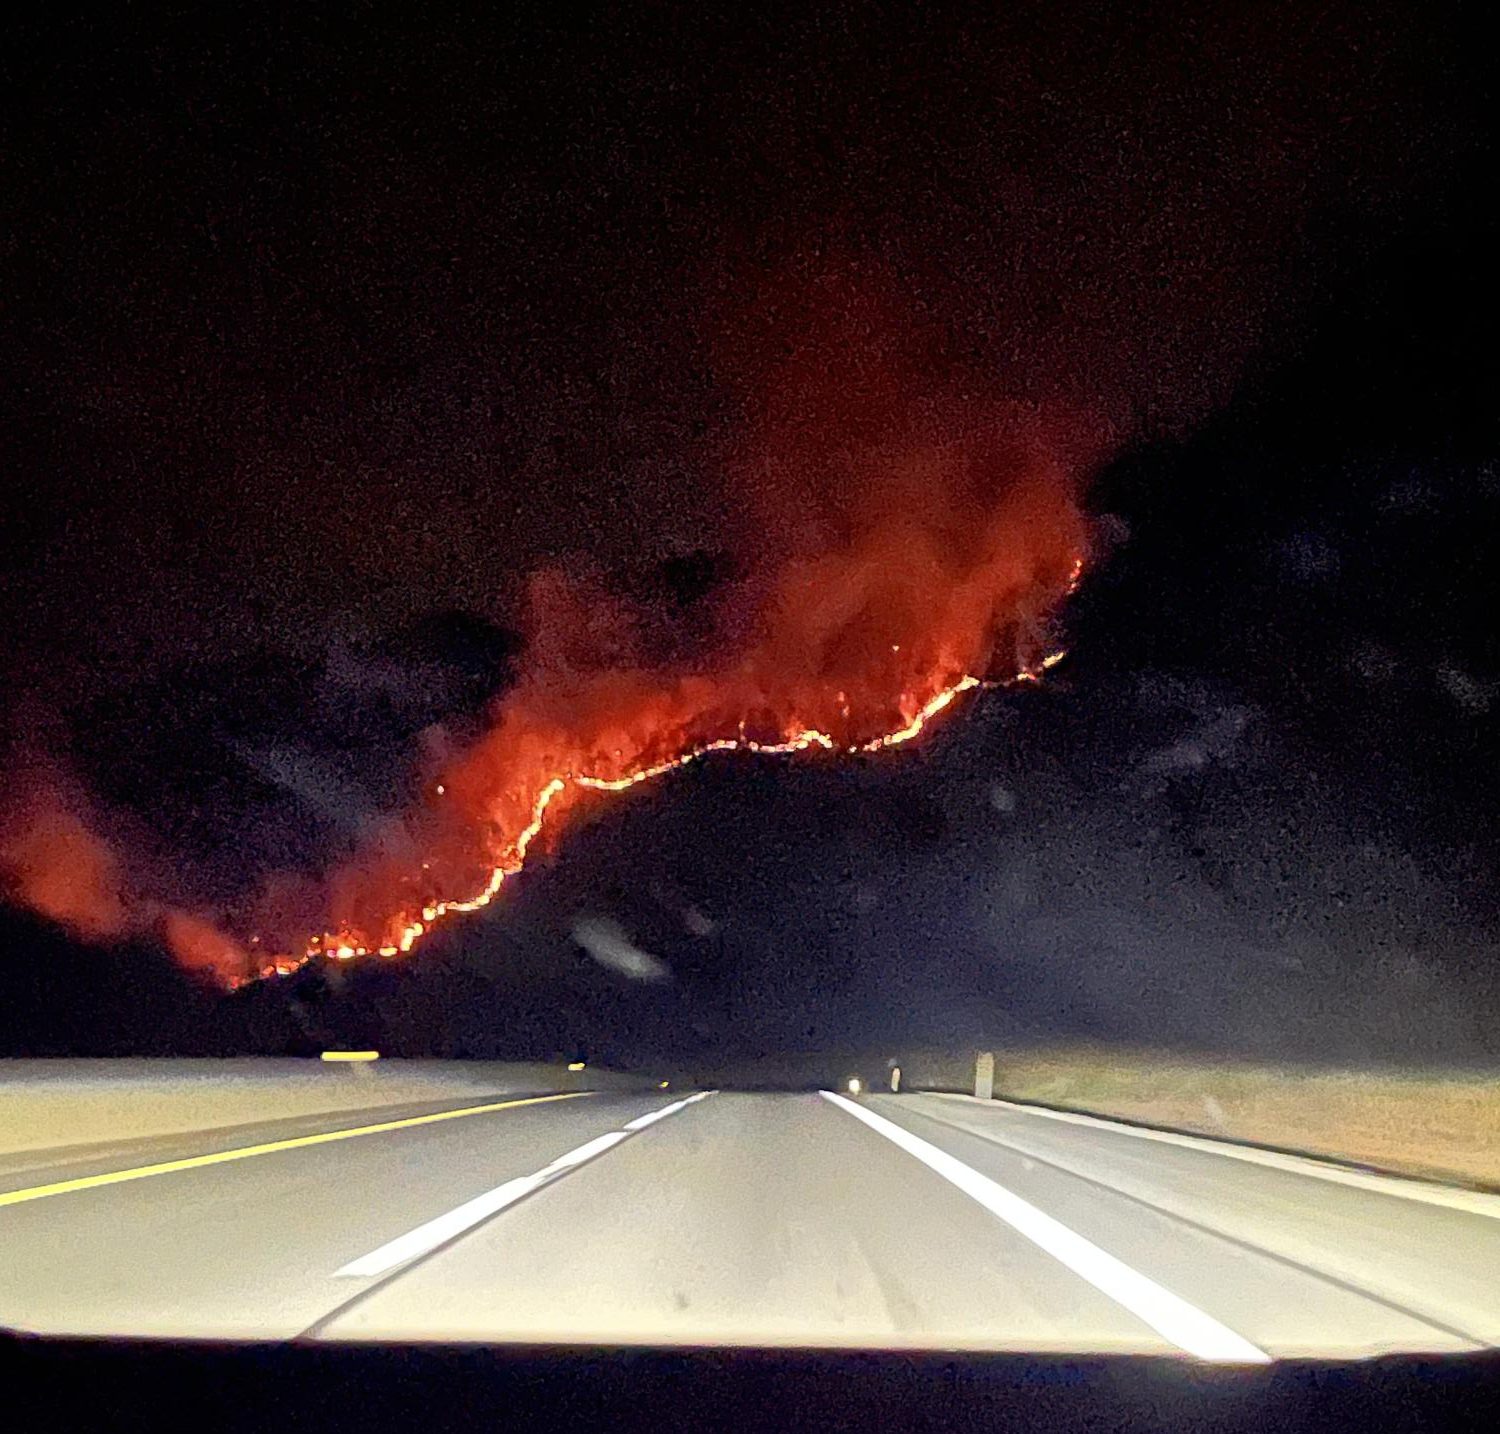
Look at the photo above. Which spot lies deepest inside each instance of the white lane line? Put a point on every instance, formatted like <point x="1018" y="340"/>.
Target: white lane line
<point x="463" y="1217"/>
<point x="1171" y="1316"/>
<point x="652" y="1116"/>
<point x="1452" y="1197"/>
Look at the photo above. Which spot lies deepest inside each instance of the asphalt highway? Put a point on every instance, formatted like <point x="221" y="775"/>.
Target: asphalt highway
<point x="920" y="1221"/>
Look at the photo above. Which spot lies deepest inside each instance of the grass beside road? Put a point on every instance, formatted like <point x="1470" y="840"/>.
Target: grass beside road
<point x="1443" y="1125"/>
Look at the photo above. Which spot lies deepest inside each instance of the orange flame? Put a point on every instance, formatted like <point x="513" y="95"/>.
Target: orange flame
<point x="858" y="646"/>
<point x="342" y="947"/>
<point x="57" y="864"/>
<point x="474" y="785"/>
<point x="55" y="860"/>
<point x="905" y="545"/>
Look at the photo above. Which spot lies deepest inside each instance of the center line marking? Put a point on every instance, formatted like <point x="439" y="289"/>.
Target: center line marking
<point x="270" y="1147"/>
<point x="1171" y="1316"/>
<point x="445" y="1227"/>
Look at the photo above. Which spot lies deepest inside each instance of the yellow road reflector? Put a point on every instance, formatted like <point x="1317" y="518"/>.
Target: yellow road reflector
<point x="575" y="1065"/>
<point x="351" y="1055"/>
<point x="244" y="1152"/>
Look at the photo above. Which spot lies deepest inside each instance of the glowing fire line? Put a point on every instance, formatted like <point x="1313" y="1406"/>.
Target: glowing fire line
<point x="346" y="950"/>
<point x="343" y="948"/>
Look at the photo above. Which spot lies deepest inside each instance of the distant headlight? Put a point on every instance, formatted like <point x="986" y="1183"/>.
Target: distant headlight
<point x="854" y="1085"/>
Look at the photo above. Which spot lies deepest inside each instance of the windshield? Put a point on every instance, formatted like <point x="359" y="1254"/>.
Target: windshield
<point x="715" y="680"/>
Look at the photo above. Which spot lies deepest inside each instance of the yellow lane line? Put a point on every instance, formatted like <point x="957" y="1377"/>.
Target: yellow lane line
<point x="244" y="1152"/>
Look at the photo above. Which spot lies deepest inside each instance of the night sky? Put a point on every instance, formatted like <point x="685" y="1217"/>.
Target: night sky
<point x="321" y="335"/>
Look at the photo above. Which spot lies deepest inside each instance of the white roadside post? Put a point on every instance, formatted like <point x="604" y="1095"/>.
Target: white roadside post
<point x="984" y="1076"/>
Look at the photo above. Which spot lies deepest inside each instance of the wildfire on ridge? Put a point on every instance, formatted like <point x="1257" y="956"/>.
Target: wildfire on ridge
<point x="859" y="635"/>
<point x="345" y="946"/>
<point x="340" y="947"/>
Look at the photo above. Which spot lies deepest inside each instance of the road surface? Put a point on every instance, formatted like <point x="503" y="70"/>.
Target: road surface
<point x="917" y="1221"/>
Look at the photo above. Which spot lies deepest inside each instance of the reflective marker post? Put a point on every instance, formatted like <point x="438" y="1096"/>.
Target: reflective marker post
<point x="984" y="1076"/>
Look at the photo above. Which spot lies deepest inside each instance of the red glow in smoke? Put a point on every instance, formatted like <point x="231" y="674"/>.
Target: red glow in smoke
<point x="198" y="945"/>
<point x="55" y="863"/>
<point x="899" y="546"/>
<point x="858" y="647"/>
<point x="55" y="860"/>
